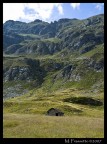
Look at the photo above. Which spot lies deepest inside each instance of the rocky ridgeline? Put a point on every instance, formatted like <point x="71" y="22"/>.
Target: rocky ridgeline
<point x="72" y="34"/>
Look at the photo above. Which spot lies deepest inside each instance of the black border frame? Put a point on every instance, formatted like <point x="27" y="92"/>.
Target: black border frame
<point x="54" y="140"/>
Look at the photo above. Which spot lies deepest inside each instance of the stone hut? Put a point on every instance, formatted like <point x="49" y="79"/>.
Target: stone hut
<point x="54" y="112"/>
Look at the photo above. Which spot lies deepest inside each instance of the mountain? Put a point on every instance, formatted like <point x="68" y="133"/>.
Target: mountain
<point x="51" y="56"/>
<point x="36" y="36"/>
<point x="57" y="65"/>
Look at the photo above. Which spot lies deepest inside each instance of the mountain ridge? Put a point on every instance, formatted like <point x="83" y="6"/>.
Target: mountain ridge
<point x="68" y="53"/>
<point x="17" y="33"/>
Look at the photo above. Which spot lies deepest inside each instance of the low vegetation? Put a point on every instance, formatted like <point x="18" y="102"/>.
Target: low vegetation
<point x="24" y="115"/>
<point x="39" y="126"/>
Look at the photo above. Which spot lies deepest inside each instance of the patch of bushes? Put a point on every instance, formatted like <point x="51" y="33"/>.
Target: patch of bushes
<point x="84" y="101"/>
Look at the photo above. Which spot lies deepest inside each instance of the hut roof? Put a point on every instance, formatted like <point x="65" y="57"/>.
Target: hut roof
<point x="55" y="109"/>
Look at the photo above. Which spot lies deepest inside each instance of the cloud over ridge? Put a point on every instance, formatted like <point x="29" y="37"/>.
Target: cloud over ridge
<point x="30" y="11"/>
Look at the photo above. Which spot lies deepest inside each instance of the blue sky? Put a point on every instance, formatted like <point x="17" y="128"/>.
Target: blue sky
<point x="28" y="12"/>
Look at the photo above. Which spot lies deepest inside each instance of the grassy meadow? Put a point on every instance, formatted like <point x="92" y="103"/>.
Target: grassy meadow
<point x="41" y="126"/>
<point x="25" y="116"/>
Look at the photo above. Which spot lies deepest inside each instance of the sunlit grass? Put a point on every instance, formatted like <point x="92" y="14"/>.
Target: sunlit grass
<point x="39" y="126"/>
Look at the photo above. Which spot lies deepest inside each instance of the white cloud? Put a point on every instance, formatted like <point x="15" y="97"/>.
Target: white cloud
<point x="16" y="11"/>
<point x="60" y="8"/>
<point x="99" y="6"/>
<point x="75" y="5"/>
<point x="12" y="11"/>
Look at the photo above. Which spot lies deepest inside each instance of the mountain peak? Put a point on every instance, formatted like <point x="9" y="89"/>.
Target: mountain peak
<point x="9" y="21"/>
<point x="37" y="20"/>
<point x="64" y="20"/>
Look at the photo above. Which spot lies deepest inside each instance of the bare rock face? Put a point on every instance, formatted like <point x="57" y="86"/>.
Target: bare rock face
<point x="18" y="73"/>
<point x="68" y="74"/>
<point x="30" y="70"/>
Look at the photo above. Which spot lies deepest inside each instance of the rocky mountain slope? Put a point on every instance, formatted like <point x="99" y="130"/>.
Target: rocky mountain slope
<point x="51" y="56"/>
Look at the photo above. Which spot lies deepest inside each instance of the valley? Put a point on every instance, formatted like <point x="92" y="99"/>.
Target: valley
<point x="53" y="65"/>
